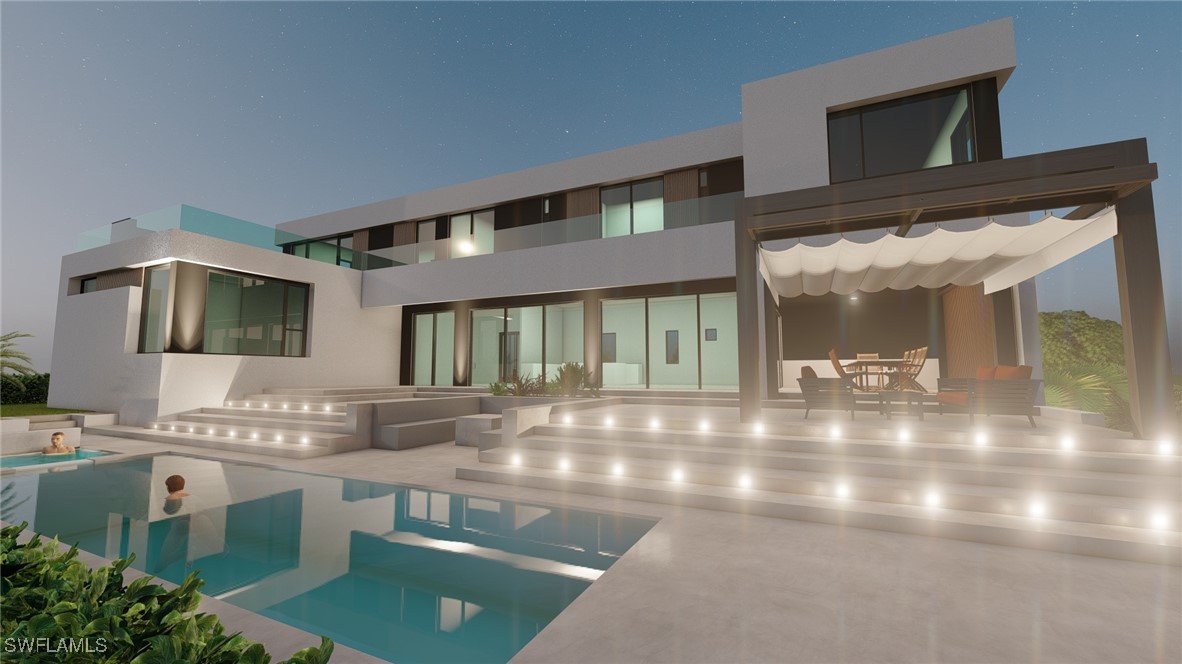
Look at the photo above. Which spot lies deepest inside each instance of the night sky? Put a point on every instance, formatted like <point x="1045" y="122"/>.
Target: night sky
<point x="275" y="111"/>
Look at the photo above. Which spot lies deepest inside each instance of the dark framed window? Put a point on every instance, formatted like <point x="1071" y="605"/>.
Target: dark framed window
<point x="334" y="250"/>
<point x="924" y="131"/>
<point x="89" y="285"/>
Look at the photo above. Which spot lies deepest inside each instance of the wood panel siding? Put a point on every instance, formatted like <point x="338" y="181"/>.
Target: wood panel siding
<point x="405" y="233"/>
<point x="681" y="188"/>
<point x="969" y="338"/>
<point x="582" y="202"/>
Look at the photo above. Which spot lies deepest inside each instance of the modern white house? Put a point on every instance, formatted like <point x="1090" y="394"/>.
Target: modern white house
<point x="863" y="205"/>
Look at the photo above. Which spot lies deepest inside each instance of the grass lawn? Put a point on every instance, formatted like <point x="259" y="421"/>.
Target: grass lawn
<point x="27" y="409"/>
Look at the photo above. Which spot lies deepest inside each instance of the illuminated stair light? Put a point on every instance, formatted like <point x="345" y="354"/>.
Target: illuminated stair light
<point x="303" y="440"/>
<point x="745" y="481"/>
<point x="285" y="406"/>
<point x="306" y="407"/>
<point x="172" y="427"/>
<point x="655" y="423"/>
<point x="266" y="404"/>
<point x="567" y="419"/>
<point x="618" y="469"/>
<point x="1067" y="443"/>
<point x="1159" y="520"/>
<point x="192" y="429"/>
<point x="515" y="459"/>
<point x="981" y="439"/>
<point x="209" y="431"/>
<point x="1165" y="447"/>
<point x="932" y="499"/>
<point x="246" y="404"/>
<point x="254" y="436"/>
<point x="279" y="438"/>
<point x="835" y="431"/>
<point x="758" y="428"/>
<point x="327" y="408"/>
<point x="904" y="435"/>
<point x="232" y="433"/>
<point x="677" y="475"/>
<point x="1037" y="509"/>
<point x="609" y="421"/>
<point x="564" y="464"/>
<point x="704" y="425"/>
<point x="841" y="490"/>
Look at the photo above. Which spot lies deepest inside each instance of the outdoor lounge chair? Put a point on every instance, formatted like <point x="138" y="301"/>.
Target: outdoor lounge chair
<point x="1001" y="390"/>
<point x="825" y="393"/>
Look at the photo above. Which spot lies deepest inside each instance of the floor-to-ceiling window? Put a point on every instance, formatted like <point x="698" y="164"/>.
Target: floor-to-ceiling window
<point x="434" y="348"/>
<point x="526" y="342"/>
<point x="674" y="342"/>
<point x="155" y="319"/>
<point x="246" y="315"/>
<point x="623" y="348"/>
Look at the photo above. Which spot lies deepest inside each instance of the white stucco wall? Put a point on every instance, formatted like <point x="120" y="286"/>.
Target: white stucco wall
<point x="682" y="254"/>
<point x="96" y="366"/>
<point x="785" y="130"/>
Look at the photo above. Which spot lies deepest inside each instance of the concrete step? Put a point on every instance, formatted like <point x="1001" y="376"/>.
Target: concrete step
<point x="1126" y="543"/>
<point x="406" y="435"/>
<point x="408" y="410"/>
<point x="297" y="402"/>
<point x="257" y="421"/>
<point x="839" y="463"/>
<point x="962" y="449"/>
<point x="295" y="450"/>
<point x="51" y="425"/>
<point x="317" y="415"/>
<point x="271" y="433"/>
<point x="330" y="391"/>
<point x="916" y="432"/>
<point x="750" y="473"/>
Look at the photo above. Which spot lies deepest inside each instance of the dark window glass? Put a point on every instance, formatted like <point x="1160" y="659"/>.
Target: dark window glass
<point x="927" y="131"/>
<point x="381" y="237"/>
<point x="711" y="334"/>
<point x="845" y="147"/>
<point x="608" y="349"/>
<point x="672" y="349"/>
<point x="90" y="285"/>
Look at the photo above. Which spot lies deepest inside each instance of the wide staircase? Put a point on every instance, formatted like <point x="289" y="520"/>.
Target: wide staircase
<point x="1092" y="495"/>
<point x="286" y="422"/>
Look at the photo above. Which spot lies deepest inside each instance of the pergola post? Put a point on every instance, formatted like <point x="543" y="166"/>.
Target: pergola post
<point x="1143" y="316"/>
<point x="747" y="305"/>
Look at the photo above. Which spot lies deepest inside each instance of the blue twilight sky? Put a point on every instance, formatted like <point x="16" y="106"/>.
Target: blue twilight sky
<point x="274" y="111"/>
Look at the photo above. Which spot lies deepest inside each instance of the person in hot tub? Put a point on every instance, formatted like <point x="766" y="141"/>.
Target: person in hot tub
<point x="57" y="445"/>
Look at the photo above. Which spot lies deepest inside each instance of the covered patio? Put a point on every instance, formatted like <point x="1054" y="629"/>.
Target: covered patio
<point x="980" y="275"/>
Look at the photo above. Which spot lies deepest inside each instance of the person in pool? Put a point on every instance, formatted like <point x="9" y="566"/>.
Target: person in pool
<point x="57" y="445"/>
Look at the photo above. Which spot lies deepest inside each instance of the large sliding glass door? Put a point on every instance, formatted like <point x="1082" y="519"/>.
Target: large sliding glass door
<point x="675" y="342"/>
<point x="525" y="342"/>
<point x="434" y="348"/>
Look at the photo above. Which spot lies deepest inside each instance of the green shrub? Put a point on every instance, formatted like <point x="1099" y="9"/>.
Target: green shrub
<point x="36" y="388"/>
<point x="49" y="594"/>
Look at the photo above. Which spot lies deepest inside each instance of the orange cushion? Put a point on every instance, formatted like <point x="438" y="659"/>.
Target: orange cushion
<point x="1014" y="373"/>
<point x="954" y="398"/>
<point x="985" y="373"/>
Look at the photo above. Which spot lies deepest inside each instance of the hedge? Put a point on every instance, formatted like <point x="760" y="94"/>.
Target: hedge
<point x="36" y="389"/>
<point x="56" y="608"/>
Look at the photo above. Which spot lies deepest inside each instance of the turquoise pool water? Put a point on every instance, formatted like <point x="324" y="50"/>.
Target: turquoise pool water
<point x="405" y="574"/>
<point x="38" y="459"/>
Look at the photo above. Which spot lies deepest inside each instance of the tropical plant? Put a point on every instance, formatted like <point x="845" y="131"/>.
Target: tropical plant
<point x="572" y="379"/>
<point x="13" y="362"/>
<point x="51" y="595"/>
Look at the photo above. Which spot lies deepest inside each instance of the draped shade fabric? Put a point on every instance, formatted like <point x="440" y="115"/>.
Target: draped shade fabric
<point x="1000" y="256"/>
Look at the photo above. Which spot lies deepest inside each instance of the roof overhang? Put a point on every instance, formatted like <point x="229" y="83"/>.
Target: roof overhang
<point x="1094" y="175"/>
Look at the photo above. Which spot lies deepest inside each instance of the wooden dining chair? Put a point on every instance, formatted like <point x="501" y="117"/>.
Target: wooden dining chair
<point x="875" y="371"/>
<point x="850" y="377"/>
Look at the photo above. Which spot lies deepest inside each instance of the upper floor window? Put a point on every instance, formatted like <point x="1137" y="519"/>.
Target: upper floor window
<point x="632" y="208"/>
<point x="332" y="250"/>
<point x="924" y="131"/>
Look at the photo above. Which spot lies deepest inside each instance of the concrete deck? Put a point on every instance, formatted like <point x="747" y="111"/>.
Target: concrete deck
<point x="705" y="586"/>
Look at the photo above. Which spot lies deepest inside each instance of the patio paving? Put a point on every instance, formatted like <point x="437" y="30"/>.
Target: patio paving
<point x="707" y="586"/>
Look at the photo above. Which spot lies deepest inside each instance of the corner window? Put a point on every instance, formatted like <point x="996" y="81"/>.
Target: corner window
<point x="333" y="250"/>
<point x="912" y="134"/>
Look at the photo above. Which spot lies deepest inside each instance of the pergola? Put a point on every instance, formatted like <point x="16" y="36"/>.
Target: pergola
<point x="1089" y="179"/>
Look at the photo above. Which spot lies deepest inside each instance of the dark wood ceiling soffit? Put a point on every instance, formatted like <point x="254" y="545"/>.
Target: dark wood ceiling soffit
<point x="1090" y="177"/>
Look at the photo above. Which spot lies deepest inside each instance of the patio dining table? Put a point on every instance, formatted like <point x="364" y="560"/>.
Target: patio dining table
<point x="889" y="367"/>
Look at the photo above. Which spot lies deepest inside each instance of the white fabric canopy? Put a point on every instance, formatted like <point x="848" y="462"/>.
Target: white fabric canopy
<point x="1000" y="256"/>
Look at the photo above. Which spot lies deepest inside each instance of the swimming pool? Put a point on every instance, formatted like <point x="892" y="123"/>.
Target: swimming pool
<point x="405" y="574"/>
<point x="38" y="459"/>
